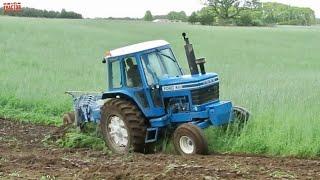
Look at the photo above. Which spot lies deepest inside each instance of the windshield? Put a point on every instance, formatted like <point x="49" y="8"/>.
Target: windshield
<point x="160" y="64"/>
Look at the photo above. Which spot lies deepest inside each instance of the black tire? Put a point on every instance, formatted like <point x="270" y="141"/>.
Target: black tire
<point x="68" y="118"/>
<point x="134" y="124"/>
<point x="195" y="134"/>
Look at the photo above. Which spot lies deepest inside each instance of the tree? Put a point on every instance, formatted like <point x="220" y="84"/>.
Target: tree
<point x="277" y="13"/>
<point x="230" y="9"/>
<point x="245" y="19"/>
<point x="206" y="16"/>
<point x="32" y="12"/>
<point x="183" y="16"/>
<point x="253" y="4"/>
<point x="177" y="16"/>
<point x="148" y="16"/>
<point x="70" y="15"/>
<point x="193" y="18"/>
<point x="250" y="15"/>
<point x="225" y="9"/>
<point x="63" y="13"/>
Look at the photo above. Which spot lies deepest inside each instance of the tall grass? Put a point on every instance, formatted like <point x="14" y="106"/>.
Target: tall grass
<point x="274" y="72"/>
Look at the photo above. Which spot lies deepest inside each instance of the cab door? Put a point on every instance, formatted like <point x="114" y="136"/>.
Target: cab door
<point x="151" y="84"/>
<point x="133" y="82"/>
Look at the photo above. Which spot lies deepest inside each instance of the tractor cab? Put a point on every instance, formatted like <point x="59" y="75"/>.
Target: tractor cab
<point x="138" y="71"/>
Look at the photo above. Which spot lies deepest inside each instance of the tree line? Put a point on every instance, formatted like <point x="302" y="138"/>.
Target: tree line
<point x="32" y="12"/>
<point x="243" y="13"/>
<point x="251" y="13"/>
<point x="173" y="16"/>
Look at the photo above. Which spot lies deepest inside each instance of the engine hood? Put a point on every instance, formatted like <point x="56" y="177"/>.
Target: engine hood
<point x="188" y="80"/>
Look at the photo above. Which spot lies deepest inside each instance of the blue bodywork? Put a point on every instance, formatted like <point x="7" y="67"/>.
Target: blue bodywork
<point x="180" y="99"/>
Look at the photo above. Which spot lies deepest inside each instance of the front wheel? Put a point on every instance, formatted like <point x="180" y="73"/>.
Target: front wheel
<point x="189" y="139"/>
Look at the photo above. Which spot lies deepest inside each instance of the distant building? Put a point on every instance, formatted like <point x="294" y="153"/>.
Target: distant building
<point x="161" y="20"/>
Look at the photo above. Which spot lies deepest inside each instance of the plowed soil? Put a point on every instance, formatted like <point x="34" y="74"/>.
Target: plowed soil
<point x="23" y="155"/>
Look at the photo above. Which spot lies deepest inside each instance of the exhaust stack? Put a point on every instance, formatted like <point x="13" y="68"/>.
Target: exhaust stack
<point x="192" y="61"/>
<point x="190" y="55"/>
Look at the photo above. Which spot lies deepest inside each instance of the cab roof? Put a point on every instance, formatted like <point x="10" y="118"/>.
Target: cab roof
<point x="137" y="48"/>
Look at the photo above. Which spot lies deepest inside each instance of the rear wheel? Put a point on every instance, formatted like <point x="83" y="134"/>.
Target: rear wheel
<point x="123" y="126"/>
<point x="189" y="139"/>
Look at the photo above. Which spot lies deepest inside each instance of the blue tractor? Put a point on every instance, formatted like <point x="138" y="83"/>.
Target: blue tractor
<point x="149" y="97"/>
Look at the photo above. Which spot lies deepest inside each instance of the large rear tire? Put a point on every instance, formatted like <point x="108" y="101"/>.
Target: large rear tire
<point x="189" y="139"/>
<point x="123" y="126"/>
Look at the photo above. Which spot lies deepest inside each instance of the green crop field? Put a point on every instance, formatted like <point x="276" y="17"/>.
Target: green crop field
<point x="274" y="72"/>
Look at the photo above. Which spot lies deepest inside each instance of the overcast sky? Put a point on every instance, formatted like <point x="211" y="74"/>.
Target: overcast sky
<point x="136" y="8"/>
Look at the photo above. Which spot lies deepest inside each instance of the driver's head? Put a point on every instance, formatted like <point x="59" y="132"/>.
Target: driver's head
<point x="129" y="62"/>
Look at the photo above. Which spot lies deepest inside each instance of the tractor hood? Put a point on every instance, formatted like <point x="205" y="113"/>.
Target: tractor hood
<point x="187" y="81"/>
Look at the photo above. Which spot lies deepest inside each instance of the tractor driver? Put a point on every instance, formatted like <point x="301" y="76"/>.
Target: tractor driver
<point x="133" y="74"/>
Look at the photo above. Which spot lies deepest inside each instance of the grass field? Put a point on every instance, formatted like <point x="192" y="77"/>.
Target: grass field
<point x="274" y="72"/>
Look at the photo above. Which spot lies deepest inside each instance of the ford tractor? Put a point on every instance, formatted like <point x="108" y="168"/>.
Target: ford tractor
<point x="149" y="97"/>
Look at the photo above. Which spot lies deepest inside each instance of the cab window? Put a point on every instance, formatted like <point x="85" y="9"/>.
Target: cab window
<point x="115" y="75"/>
<point x="160" y="64"/>
<point x="133" y="78"/>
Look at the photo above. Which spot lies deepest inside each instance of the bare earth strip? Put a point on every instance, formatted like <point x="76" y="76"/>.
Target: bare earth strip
<point x="23" y="155"/>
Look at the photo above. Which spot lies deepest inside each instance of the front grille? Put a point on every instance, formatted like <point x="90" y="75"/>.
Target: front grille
<point x="206" y="94"/>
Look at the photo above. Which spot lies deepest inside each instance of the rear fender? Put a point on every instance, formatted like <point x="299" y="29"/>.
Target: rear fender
<point x="123" y="95"/>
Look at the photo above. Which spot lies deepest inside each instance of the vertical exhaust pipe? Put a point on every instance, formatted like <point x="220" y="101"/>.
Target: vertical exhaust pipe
<point x="192" y="61"/>
<point x="190" y="55"/>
